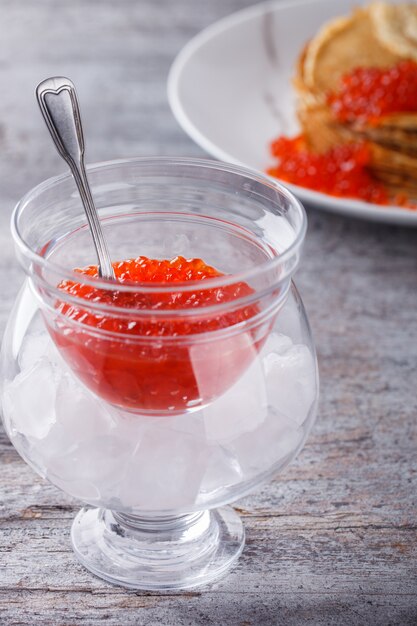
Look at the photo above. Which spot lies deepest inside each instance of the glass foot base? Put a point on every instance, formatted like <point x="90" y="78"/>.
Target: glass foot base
<point x="163" y="553"/>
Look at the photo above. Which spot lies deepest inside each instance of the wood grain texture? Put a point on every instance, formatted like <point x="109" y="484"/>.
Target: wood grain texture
<point x="333" y="539"/>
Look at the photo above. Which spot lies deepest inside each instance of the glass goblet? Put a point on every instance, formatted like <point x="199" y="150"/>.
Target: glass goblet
<point x="157" y="432"/>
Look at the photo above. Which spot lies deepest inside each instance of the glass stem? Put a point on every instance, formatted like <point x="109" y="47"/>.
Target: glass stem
<point x="187" y="527"/>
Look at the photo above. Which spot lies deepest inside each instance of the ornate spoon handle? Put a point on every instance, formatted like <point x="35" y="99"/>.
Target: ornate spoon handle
<point x="58" y="102"/>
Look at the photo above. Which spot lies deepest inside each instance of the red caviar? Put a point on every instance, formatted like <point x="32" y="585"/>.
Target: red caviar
<point x="144" y="270"/>
<point x="148" y="362"/>
<point x="341" y="171"/>
<point x="368" y="93"/>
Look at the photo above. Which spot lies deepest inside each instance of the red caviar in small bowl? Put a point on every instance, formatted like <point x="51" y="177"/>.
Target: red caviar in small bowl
<point x="147" y="362"/>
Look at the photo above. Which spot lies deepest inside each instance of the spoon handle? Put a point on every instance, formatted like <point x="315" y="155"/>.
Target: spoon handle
<point x="58" y="102"/>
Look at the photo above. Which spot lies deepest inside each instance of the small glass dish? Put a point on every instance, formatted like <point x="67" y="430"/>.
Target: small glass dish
<point x="159" y="434"/>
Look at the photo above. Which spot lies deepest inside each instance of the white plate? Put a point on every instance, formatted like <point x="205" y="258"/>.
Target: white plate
<point x="230" y="90"/>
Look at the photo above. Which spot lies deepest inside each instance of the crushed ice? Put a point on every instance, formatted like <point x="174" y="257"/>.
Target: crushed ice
<point x="101" y="454"/>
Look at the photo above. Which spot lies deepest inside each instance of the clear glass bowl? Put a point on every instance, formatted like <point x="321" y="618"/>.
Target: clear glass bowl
<point x="159" y="433"/>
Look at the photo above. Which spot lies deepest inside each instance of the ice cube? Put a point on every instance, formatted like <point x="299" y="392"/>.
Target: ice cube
<point x="242" y="408"/>
<point x="165" y="470"/>
<point x="79" y="412"/>
<point x="29" y="400"/>
<point x="34" y="347"/>
<point x="87" y="450"/>
<point x="79" y="417"/>
<point x="218" y="363"/>
<point x="276" y="343"/>
<point x="129" y="426"/>
<point x="94" y="466"/>
<point x="191" y="423"/>
<point x="223" y="470"/>
<point x="291" y="381"/>
<point x="275" y="439"/>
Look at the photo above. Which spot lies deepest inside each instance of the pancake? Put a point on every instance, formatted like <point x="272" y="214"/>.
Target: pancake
<point x="395" y="26"/>
<point x="340" y="46"/>
<point x="380" y="35"/>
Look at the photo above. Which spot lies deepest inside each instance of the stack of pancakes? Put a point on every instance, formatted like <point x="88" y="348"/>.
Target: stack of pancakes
<point x="380" y="35"/>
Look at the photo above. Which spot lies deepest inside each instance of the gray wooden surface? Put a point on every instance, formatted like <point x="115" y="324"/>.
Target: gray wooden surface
<point x="331" y="540"/>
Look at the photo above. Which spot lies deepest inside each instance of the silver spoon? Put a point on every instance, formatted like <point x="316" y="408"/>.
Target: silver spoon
<point x="58" y="102"/>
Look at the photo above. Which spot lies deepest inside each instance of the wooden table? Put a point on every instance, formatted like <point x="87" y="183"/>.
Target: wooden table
<point x="332" y="539"/>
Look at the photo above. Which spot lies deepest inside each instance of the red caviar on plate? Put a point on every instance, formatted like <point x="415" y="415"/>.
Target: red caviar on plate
<point x="341" y="171"/>
<point x="368" y="93"/>
<point x="148" y="363"/>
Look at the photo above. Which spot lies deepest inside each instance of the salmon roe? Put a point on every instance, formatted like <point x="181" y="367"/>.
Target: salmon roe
<point x="145" y="271"/>
<point x="368" y="93"/>
<point x="154" y="363"/>
<point x="341" y="171"/>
